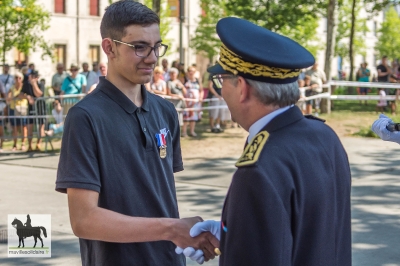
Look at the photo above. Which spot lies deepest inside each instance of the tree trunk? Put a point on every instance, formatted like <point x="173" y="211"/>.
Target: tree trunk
<point x="330" y="46"/>
<point x="157" y="6"/>
<point x="351" y="48"/>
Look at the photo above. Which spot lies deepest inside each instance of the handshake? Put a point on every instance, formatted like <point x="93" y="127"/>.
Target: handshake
<point x="209" y="250"/>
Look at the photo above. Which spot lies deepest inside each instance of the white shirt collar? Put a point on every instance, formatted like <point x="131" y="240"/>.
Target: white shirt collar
<point x="263" y="121"/>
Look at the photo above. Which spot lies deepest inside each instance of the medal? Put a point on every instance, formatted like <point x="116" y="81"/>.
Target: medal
<point x="163" y="152"/>
<point x="162" y="145"/>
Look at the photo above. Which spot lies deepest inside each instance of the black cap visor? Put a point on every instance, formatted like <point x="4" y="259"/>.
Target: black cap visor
<point x="217" y="69"/>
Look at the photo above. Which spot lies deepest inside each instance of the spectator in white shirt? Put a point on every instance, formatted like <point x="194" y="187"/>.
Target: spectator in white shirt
<point x="91" y="76"/>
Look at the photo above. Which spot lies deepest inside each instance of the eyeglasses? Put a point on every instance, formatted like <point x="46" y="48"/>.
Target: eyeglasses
<point x="218" y="79"/>
<point x="144" y="50"/>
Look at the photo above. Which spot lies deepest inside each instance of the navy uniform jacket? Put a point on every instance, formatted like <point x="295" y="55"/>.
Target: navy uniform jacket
<point x="292" y="205"/>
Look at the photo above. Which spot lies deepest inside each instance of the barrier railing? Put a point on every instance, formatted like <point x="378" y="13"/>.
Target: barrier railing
<point x="41" y="111"/>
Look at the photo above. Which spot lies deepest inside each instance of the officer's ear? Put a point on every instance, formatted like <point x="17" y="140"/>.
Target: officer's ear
<point x="244" y="88"/>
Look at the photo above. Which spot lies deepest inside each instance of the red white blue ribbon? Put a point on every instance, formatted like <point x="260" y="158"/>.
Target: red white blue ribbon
<point x="161" y="140"/>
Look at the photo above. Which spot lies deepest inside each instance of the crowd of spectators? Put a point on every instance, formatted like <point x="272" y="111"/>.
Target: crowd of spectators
<point x="186" y="88"/>
<point x="19" y="93"/>
<point x="312" y="81"/>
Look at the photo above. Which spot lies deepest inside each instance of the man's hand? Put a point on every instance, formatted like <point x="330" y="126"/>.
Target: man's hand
<point x="205" y="242"/>
<point x="379" y="127"/>
<point x="33" y="80"/>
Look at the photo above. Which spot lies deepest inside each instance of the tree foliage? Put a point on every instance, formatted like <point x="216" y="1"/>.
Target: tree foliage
<point x="21" y="26"/>
<point x="274" y="15"/>
<point x="205" y="39"/>
<point x="344" y="28"/>
<point x="389" y="38"/>
<point x="165" y="22"/>
<point x="305" y="33"/>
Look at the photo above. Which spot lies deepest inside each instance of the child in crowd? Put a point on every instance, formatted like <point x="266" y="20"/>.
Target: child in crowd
<point x="57" y="113"/>
<point x="382" y="103"/>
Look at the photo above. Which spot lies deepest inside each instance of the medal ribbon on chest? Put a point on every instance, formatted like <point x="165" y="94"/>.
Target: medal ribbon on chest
<point x="162" y="143"/>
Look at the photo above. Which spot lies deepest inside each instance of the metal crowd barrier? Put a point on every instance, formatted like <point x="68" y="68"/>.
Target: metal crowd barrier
<point x="20" y="120"/>
<point x="41" y="111"/>
<point x="40" y="116"/>
<point x="333" y="83"/>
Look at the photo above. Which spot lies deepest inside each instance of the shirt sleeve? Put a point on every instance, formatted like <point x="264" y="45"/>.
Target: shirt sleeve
<point x="78" y="166"/>
<point x="64" y="85"/>
<point x="176" y="142"/>
<point x="83" y="80"/>
<point x="2" y="87"/>
<point x="53" y="81"/>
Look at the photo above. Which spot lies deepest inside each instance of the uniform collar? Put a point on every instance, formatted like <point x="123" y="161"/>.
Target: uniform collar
<point x="291" y="116"/>
<point x="117" y="96"/>
<point x="263" y="121"/>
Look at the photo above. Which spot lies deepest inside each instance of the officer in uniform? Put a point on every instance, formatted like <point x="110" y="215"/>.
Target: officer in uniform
<point x="289" y="200"/>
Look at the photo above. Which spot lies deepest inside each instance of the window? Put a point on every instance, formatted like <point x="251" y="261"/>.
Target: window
<point x="94" y="53"/>
<point x="20" y="59"/>
<point x="174" y="8"/>
<point x="59" y="6"/>
<point x="94" y="8"/>
<point x="60" y="53"/>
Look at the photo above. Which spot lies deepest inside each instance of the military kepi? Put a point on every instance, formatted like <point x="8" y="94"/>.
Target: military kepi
<point x="256" y="53"/>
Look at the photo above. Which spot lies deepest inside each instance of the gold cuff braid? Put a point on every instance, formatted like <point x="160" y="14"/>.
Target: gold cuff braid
<point x="233" y="63"/>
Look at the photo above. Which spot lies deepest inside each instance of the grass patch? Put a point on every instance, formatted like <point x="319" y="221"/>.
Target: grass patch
<point x="366" y="132"/>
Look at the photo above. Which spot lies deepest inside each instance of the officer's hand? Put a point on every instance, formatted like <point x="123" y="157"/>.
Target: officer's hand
<point x="195" y="255"/>
<point x="212" y="226"/>
<point x="379" y="127"/>
<point x="205" y="242"/>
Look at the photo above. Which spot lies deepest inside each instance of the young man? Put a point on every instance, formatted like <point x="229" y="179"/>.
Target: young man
<point x="120" y="150"/>
<point x="289" y="200"/>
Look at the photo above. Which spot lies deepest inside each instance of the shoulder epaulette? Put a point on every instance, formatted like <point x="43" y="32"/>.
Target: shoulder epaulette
<point x="314" y="118"/>
<point x="253" y="149"/>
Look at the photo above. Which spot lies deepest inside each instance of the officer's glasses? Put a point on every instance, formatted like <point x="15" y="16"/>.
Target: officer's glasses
<point x="144" y="50"/>
<point x="218" y="79"/>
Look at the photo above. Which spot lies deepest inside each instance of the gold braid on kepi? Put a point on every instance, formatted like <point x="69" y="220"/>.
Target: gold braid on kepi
<point x="231" y="62"/>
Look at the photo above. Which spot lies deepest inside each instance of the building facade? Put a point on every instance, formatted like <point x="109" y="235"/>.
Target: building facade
<point x="75" y="33"/>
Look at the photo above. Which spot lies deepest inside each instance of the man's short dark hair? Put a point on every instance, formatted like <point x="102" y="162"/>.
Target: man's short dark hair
<point x="122" y="14"/>
<point x="385" y="56"/>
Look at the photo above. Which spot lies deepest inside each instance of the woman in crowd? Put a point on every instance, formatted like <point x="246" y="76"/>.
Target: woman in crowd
<point x="72" y="84"/>
<point x="176" y="90"/>
<point x="363" y="74"/>
<point x="18" y="107"/>
<point x="158" y="85"/>
<point x="195" y="93"/>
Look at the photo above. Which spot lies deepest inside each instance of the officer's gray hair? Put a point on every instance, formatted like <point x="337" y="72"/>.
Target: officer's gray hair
<point x="275" y="94"/>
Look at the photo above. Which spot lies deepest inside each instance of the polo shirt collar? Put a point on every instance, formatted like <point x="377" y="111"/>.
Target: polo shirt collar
<point x="117" y="96"/>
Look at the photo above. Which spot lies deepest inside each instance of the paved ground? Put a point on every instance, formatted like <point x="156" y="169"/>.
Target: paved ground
<point x="27" y="186"/>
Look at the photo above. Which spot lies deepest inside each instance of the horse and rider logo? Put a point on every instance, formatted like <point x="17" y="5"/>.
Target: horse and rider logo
<point x="37" y="226"/>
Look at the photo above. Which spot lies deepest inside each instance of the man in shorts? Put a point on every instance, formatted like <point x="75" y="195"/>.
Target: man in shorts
<point x="121" y="146"/>
<point x="217" y="114"/>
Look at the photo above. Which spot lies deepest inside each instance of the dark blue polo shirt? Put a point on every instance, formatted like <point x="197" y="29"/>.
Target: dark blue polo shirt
<point x="109" y="146"/>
